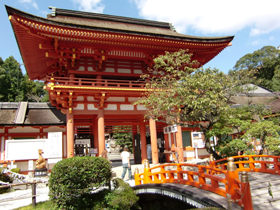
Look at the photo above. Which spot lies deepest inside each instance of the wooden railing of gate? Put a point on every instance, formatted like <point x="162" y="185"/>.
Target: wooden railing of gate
<point x="220" y="181"/>
<point x="89" y="82"/>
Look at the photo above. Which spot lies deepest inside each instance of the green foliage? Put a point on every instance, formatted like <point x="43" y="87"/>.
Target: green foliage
<point x="123" y="138"/>
<point x="272" y="145"/>
<point x="123" y="197"/>
<point x="267" y="132"/>
<point x="15" y="170"/>
<point x="14" y="86"/>
<point x="230" y="147"/>
<point x="73" y="180"/>
<point x="5" y="177"/>
<point x="179" y="94"/>
<point x="265" y="62"/>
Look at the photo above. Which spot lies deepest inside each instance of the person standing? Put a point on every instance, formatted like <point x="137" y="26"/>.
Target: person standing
<point x="126" y="163"/>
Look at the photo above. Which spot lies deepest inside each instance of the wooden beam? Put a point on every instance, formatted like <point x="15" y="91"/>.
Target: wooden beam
<point x="45" y="46"/>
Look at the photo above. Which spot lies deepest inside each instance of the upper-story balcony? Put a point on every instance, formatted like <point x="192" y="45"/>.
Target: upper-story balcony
<point x="84" y="84"/>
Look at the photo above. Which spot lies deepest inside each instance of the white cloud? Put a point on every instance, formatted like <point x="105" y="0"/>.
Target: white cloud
<point x="214" y="16"/>
<point x="255" y="42"/>
<point x="30" y="2"/>
<point x="90" y="5"/>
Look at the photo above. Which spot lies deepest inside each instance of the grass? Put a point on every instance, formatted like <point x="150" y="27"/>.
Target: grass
<point x="46" y="205"/>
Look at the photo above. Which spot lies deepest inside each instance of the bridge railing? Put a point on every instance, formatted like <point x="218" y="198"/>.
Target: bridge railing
<point x="252" y="163"/>
<point x="223" y="182"/>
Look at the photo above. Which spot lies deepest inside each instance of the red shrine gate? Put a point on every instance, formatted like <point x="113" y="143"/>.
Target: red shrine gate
<point x="91" y="64"/>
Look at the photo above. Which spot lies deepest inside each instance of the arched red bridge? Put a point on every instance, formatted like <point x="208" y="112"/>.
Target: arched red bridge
<point x="223" y="183"/>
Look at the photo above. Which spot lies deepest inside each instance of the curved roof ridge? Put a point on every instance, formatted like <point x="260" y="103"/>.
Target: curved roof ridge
<point x="115" y="18"/>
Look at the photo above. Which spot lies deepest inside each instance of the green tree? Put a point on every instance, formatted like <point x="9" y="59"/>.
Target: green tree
<point x="123" y="137"/>
<point x="240" y="121"/>
<point x="14" y="86"/>
<point x="267" y="132"/>
<point x="181" y="94"/>
<point x="266" y="64"/>
<point x="11" y="81"/>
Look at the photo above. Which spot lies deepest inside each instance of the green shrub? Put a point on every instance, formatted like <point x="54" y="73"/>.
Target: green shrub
<point x="123" y="197"/>
<point x="72" y="181"/>
<point x="5" y="178"/>
<point x="15" y="170"/>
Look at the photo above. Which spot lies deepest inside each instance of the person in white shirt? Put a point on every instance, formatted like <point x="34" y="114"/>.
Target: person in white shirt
<point x="126" y="163"/>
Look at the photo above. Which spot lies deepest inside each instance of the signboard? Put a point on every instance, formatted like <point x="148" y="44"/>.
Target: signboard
<point x="53" y="148"/>
<point x="24" y="149"/>
<point x="83" y="141"/>
<point x="170" y="129"/>
<point x="27" y="149"/>
<point x="197" y="140"/>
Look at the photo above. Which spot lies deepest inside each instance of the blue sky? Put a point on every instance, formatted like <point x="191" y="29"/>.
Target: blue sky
<point x="253" y="23"/>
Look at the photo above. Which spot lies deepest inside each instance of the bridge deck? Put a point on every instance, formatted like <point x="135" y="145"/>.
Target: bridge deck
<point x="259" y="191"/>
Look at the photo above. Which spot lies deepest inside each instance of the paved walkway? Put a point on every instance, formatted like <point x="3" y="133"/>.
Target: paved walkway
<point x="22" y="197"/>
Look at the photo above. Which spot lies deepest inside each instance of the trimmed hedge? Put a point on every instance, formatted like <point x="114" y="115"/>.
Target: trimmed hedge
<point x="72" y="181"/>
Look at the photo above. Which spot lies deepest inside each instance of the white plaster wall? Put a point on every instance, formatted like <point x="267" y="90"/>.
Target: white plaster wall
<point x="126" y="71"/>
<point x="24" y="130"/>
<point x="2" y="147"/>
<point x="133" y="99"/>
<point x="80" y="107"/>
<point x="90" y="68"/>
<point x="109" y="70"/>
<point x="90" y="98"/>
<point x="81" y="68"/>
<point x="55" y="129"/>
<point x="127" y="107"/>
<point x="80" y="98"/>
<point x="111" y="107"/>
<point x="116" y="99"/>
<point x="138" y="71"/>
<point x="91" y="107"/>
<point x="202" y="152"/>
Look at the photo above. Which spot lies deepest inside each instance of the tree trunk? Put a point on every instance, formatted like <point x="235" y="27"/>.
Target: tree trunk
<point x="210" y="149"/>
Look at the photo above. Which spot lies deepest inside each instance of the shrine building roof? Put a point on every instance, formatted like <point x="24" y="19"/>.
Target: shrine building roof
<point x="48" y="40"/>
<point x="35" y="114"/>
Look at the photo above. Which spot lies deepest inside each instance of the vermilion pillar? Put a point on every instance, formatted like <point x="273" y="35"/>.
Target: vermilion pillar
<point x="70" y="134"/>
<point x="179" y="141"/>
<point x="166" y="146"/>
<point x="101" y="131"/>
<point x="153" y="134"/>
<point x="95" y="132"/>
<point x="143" y="139"/>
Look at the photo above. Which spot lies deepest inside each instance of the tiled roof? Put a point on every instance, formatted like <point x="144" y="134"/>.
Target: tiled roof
<point x="37" y="114"/>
